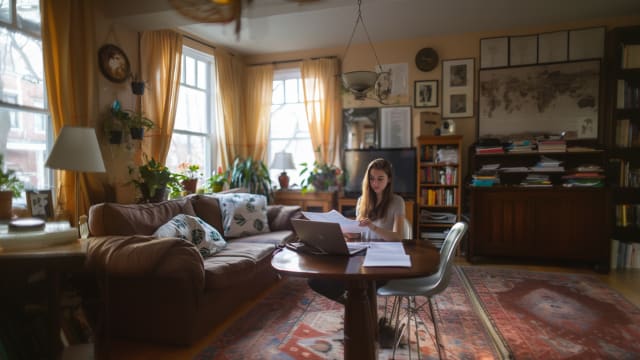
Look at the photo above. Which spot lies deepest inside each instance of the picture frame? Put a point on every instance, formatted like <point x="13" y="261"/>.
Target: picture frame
<point x="494" y="52"/>
<point x="587" y="43"/>
<point x="425" y="93"/>
<point x="114" y="64"/>
<point x="40" y="204"/>
<point x="523" y="50"/>
<point x="553" y="47"/>
<point x="458" y="88"/>
<point x="395" y="127"/>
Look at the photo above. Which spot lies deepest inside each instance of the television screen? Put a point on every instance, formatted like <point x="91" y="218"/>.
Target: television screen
<point x="403" y="161"/>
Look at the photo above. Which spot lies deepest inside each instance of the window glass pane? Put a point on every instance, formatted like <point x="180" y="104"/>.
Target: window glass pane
<point x="29" y="15"/>
<point x="190" y="71"/>
<point x="291" y="91"/>
<point x="191" y="114"/>
<point x="21" y="69"/>
<point x="202" y="75"/>
<point x="187" y="148"/>
<point x="5" y="11"/>
<point x="278" y="92"/>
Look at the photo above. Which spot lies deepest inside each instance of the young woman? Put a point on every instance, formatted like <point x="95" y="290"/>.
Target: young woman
<point x="378" y="210"/>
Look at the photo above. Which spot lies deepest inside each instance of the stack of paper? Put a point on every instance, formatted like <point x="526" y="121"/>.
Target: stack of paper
<point x="386" y="254"/>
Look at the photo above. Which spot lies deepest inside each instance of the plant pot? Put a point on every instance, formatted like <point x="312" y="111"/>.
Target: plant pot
<point x="6" y="203"/>
<point x="137" y="87"/>
<point x="190" y="185"/>
<point x="115" y="136"/>
<point x="217" y="187"/>
<point x="137" y="133"/>
<point x="159" y="195"/>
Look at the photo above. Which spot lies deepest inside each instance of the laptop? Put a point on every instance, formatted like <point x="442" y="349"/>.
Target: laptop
<point x="325" y="237"/>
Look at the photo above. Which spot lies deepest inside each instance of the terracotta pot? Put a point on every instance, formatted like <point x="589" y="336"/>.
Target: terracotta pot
<point x="6" y="203"/>
<point x="190" y="185"/>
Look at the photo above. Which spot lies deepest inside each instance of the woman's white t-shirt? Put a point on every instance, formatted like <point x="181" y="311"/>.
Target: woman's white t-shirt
<point x="396" y="208"/>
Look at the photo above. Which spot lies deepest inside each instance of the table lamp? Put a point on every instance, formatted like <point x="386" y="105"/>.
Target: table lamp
<point x="283" y="160"/>
<point x="76" y="149"/>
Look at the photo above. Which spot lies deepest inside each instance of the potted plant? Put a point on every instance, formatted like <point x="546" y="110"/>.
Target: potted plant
<point x="137" y="85"/>
<point x="10" y="187"/>
<point x="151" y="179"/>
<point x="216" y="181"/>
<point x="188" y="176"/>
<point x="252" y="175"/>
<point x="322" y="177"/>
<point x="115" y="123"/>
<point x="137" y="123"/>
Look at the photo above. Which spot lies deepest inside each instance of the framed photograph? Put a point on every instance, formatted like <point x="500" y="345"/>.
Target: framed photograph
<point x="586" y="43"/>
<point x="457" y="88"/>
<point x="523" y="50"/>
<point x="553" y="47"/>
<point x="40" y="204"/>
<point x="425" y="93"/>
<point x="395" y="127"/>
<point x="494" y="52"/>
<point x="113" y="63"/>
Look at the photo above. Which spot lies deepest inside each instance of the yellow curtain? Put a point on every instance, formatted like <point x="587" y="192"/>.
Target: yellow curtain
<point x="161" y="59"/>
<point x="259" y="89"/>
<point x="230" y="108"/>
<point x="323" y="107"/>
<point x="69" y="50"/>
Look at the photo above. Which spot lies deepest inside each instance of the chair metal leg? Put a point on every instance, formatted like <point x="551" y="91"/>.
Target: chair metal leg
<point x="435" y="328"/>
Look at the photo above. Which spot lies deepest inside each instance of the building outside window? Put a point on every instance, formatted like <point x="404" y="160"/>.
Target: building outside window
<point x="25" y="126"/>
<point x="193" y="131"/>
<point x="288" y="129"/>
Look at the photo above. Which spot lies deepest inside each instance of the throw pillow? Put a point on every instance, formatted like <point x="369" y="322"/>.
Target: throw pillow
<point x="195" y="230"/>
<point x="243" y="214"/>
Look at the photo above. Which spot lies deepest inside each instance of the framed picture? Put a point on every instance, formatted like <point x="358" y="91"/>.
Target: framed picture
<point x="40" y="204"/>
<point x="586" y="43"/>
<point x="457" y="88"/>
<point x="494" y="52"/>
<point x="553" y="47"/>
<point x="425" y="93"/>
<point x="114" y="63"/>
<point x="395" y="127"/>
<point x="523" y="50"/>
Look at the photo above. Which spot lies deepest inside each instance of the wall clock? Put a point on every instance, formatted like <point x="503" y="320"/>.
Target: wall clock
<point x="114" y="64"/>
<point x="426" y="59"/>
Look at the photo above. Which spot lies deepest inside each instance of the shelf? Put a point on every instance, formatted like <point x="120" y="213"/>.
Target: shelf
<point x="627" y="233"/>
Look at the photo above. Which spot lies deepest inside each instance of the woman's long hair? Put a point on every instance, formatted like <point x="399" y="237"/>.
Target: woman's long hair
<point x="368" y="201"/>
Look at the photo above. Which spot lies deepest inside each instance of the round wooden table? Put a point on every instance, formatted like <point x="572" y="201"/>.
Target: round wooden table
<point x="360" y="312"/>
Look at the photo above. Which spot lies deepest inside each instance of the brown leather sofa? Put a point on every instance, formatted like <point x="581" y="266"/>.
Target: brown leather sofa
<point x="161" y="289"/>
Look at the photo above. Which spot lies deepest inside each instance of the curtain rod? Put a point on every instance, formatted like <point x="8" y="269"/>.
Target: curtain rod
<point x="292" y="60"/>
<point x="198" y="41"/>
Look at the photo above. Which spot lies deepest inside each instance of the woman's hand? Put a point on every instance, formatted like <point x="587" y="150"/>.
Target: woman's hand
<point x="368" y="223"/>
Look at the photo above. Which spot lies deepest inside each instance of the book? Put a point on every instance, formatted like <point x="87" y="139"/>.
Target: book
<point x="631" y="56"/>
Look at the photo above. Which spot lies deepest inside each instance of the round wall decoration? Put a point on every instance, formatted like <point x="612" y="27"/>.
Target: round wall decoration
<point x="426" y="59"/>
<point x="114" y="63"/>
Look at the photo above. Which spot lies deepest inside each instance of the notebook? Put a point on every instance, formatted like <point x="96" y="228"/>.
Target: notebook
<point x="327" y="237"/>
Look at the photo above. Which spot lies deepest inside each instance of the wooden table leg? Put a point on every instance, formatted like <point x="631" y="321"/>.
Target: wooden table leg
<point x="359" y="333"/>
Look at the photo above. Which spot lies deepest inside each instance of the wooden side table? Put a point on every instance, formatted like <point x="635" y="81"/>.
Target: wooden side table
<point x="53" y="261"/>
<point x="318" y="201"/>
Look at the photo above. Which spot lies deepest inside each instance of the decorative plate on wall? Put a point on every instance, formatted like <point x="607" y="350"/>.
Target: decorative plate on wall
<point x="114" y="63"/>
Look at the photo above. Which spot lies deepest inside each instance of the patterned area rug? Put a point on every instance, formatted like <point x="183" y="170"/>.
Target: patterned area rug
<point x="542" y="315"/>
<point x="292" y="322"/>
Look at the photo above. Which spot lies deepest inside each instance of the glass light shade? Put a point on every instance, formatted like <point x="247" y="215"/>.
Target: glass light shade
<point x="359" y="82"/>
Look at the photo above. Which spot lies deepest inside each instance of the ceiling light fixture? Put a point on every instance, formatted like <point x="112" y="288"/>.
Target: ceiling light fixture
<point x="359" y="83"/>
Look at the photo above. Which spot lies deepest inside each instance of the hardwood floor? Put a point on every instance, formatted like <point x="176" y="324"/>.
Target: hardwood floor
<point x="626" y="282"/>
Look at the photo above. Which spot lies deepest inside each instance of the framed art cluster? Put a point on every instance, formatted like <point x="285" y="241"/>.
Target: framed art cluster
<point x="425" y="93"/>
<point x="543" y="48"/>
<point x="457" y="88"/>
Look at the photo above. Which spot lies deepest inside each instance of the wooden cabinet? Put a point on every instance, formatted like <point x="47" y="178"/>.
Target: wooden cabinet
<point x="569" y="224"/>
<point x="623" y="95"/>
<point x="317" y="201"/>
<point x="439" y="185"/>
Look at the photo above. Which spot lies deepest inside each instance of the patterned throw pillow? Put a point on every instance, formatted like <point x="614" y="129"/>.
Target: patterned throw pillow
<point x="243" y="214"/>
<point x="195" y="230"/>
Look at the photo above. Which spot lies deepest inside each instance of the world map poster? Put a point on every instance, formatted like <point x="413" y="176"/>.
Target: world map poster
<point x="540" y="99"/>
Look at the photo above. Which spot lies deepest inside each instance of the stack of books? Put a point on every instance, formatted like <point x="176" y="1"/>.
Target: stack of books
<point x="520" y="146"/>
<point x="485" y="178"/>
<point x="536" y="180"/>
<point x="552" y="146"/>
<point x="489" y="149"/>
<point x="585" y="176"/>
<point x="547" y="164"/>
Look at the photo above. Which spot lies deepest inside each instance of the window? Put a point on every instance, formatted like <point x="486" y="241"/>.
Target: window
<point x="25" y="126"/>
<point x="289" y="130"/>
<point x="192" y="132"/>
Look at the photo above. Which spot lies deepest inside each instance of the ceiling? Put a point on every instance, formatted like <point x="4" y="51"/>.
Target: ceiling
<point x="273" y="26"/>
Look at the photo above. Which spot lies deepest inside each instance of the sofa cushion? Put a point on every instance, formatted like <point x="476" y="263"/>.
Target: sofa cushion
<point x="243" y="214"/>
<point x="235" y="264"/>
<point x="280" y="216"/>
<point x="205" y="237"/>
<point x="207" y="208"/>
<point x="134" y="219"/>
<point x="277" y="238"/>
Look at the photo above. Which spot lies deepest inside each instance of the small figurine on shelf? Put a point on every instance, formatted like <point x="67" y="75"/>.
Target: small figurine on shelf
<point x="83" y="226"/>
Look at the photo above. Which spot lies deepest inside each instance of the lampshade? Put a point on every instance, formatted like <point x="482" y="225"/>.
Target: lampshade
<point x="359" y="82"/>
<point x="283" y="160"/>
<point x="76" y="149"/>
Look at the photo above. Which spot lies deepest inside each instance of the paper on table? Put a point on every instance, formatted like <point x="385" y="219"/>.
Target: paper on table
<point x="386" y="254"/>
<point x="347" y="225"/>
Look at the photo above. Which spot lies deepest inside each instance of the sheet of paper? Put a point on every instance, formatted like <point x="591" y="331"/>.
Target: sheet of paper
<point x="386" y="254"/>
<point x="347" y="225"/>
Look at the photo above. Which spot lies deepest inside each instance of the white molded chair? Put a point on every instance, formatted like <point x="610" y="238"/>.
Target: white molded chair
<point x="405" y="290"/>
